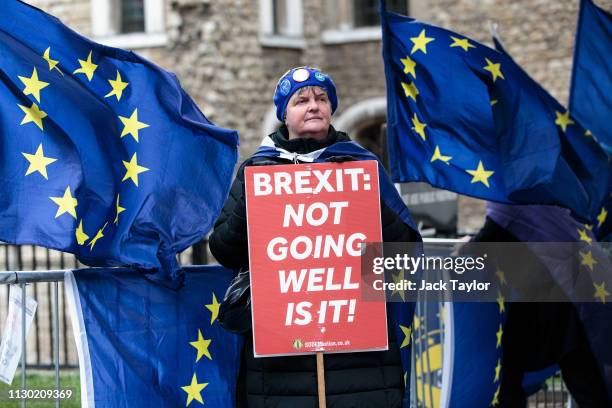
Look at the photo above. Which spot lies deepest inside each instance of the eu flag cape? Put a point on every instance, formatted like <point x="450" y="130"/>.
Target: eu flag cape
<point x="590" y="99"/>
<point x="464" y="117"/>
<point x="144" y="345"/>
<point x="102" y="153"/>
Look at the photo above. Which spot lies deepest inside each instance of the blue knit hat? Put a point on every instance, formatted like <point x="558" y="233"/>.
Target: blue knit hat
<point x="300" y="77"/>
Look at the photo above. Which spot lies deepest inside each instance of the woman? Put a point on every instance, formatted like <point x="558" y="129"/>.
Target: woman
<point x="305" y="99"/>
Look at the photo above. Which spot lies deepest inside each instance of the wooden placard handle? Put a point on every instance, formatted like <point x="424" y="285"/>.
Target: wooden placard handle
<point x="321" y="379"/>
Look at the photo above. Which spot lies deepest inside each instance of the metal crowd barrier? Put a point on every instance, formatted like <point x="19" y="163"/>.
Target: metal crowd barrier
<point x="22" y="278"/>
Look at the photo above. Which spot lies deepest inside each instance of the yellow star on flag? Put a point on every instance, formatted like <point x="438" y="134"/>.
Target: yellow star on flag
<point x="52" y="63"/>
<point x="587" y="133"/>
<point x="563" y="120"/>
<point x="118" y="210"/>
<point x="501" y="302"/>
<point x="33" y="114"/>
<point x="131" y="125"/>
<point x="495" y="401"/>
<point x="492" y="102"/>
<point x="398" y="278"/>
<point x="462" y="42"/>
<point x="438" y="156"/>
<point x="600" y="292"/>
<point x="38" y="162"/>
<point x="410" y="90"/>
<point x="419" y="128"/>
<point x="406" y="331"/>
<point x="214" y="308"/>
<point x="588" y="227"/>
<point x="409" y="66"/>
<point x="494" y="69"/>
<point x="499" y="335"/>
<point x="117" y="86"/>
<point x="601" y="218"/>
<point x="98" y="235"/>
<point x="587" y="259"/>
<point x="480" y="174"/>
<point x="87" y="67"/>
<point x="133" y="169"/>
<point x="420" y="42"/>
<point x="202" y="346"/>
<point x="67" y="204"/>
<point x="501" y="276"/>
<point x="497" y="370"/>
<point x="584" y="236"/>
<point x="81" y="236"/>
<point x="33" y="85"/>
<point x="194" y="390"/>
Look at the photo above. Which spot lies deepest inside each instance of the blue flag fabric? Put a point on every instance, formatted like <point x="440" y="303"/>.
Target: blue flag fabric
<point x="144" y="345"/>
<point x="102" y="153"/>
<point x="477" y="332"/>
<point x="602" y="226"/>
<point x="457" y="347"/>
<point x="464" y="117"/>
<point x="531" y="224"/>
<point x="590" y="100"/>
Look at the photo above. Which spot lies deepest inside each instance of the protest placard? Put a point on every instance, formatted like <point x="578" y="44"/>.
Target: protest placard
<point x="306" y="224"/>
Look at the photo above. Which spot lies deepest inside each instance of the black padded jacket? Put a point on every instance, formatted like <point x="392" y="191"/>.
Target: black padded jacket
<point x="353" y="380"/>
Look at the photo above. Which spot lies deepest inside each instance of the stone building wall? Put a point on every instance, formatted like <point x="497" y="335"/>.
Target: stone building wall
<point x="215" y="52"/>
<point x="76" y="14"/>
<point x="214" y="49"/>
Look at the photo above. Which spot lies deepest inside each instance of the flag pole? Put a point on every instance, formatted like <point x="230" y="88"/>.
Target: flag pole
<point x="321" y="379"/>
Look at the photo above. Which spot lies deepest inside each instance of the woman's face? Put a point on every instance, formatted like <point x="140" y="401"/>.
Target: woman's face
<point x="308" y="114"/>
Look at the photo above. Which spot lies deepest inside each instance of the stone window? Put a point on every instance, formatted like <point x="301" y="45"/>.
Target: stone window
<point x="132" y="16"/>
<point x="281" y="23"/>
<point x="366" y="13"/>
<point x="356" y="20"/>
<point x="129" y="24"/>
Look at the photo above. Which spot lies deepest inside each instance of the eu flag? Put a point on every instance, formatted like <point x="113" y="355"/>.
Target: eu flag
<point x="144" y="345"/>
<point x="590" y="99"/>
<point x="464" y="117"/>
<point x="533" y="224"/>
<point x="102" y="153"/>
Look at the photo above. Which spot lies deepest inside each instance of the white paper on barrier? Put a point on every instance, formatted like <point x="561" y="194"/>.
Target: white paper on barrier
<point x="10" y="349"/>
